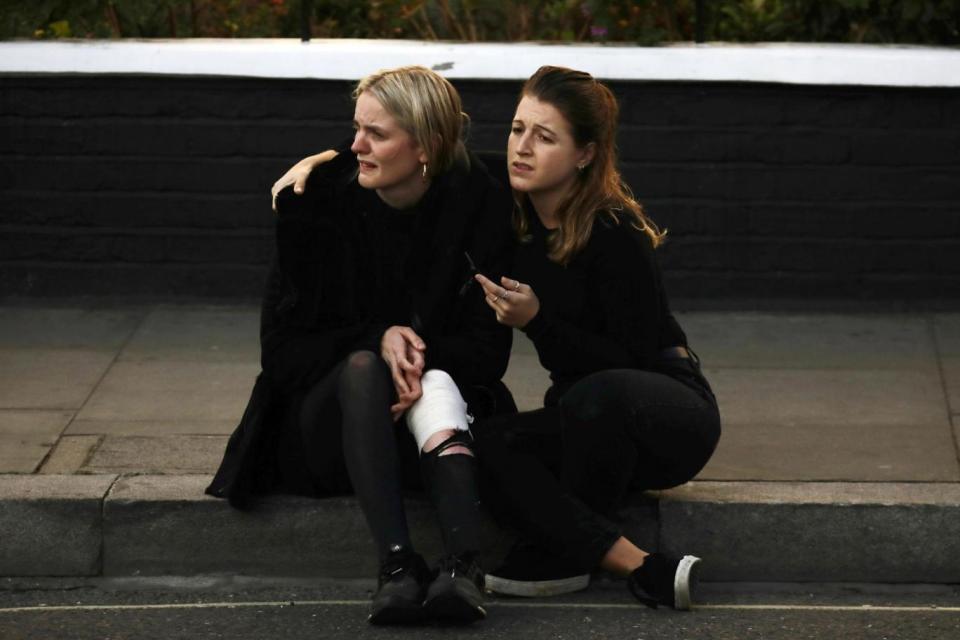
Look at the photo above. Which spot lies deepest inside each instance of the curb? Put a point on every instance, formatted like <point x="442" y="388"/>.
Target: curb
<point x="122" y="525"/>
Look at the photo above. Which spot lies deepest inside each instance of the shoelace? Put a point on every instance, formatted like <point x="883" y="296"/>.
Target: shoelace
<point x="396" y="569"/>
<point x="386" y="575"/>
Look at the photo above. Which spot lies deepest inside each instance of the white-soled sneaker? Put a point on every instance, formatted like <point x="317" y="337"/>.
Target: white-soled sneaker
<point x="529" y="572"/>
<point x="665" y="580"/>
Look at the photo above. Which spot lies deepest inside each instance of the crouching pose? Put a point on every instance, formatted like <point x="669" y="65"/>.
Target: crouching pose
<point x="371" y="318"/>
<point x="629" y="407"/>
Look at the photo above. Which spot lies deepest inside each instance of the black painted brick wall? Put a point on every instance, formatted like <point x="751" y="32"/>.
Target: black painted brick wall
<point x="159" y="185"/>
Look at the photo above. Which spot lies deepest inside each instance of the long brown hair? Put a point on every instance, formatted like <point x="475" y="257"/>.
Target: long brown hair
<point x="592" y="112"/>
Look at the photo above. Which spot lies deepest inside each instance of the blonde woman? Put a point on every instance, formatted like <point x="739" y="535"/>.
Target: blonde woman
<point x="377" y="346"/>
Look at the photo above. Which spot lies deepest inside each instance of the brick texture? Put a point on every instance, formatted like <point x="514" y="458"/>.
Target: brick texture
<point x="160" y="185"/>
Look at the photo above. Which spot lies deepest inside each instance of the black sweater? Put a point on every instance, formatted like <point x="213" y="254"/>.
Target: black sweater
<point x="327" y="295"/>
<point x="607" y="309"/>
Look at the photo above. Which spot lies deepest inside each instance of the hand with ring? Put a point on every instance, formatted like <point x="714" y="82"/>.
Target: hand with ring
<point x="514" y="303"/>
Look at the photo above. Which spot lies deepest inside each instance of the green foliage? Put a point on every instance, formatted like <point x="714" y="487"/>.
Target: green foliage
<point x="147" y="18"/>
<point x="645" y="22"/>
<point x="874" y="21"/>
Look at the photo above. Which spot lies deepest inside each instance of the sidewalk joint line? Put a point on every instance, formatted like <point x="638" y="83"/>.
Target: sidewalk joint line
<point x="103" y="521"/>
<point x="147" y="310"/>
<point x="932" y="329"/>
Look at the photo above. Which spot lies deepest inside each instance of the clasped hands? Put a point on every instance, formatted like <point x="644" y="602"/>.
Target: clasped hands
<point x="402" y="349"/>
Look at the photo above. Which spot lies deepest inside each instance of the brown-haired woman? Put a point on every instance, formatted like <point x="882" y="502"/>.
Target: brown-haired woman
<point x="629" y="407"/>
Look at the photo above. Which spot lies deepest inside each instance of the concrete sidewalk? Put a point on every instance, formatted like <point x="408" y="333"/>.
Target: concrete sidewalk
<point x="838" y="462"/>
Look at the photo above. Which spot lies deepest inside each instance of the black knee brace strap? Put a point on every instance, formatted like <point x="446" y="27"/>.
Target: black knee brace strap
<point x="428" y="460"/>
<point x="458" y="439"/>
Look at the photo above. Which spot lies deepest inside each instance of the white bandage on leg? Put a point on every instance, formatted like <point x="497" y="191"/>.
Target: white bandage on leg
<point x="441" y="407"/>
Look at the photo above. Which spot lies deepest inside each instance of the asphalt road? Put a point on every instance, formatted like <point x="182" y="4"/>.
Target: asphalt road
<point x="241" y="609"/>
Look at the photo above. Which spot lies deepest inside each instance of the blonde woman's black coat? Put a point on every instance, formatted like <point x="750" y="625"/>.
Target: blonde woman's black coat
<point x="315" y="310"/>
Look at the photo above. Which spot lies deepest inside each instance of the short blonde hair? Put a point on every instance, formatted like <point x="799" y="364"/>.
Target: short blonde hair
<point x="426" y="106"/>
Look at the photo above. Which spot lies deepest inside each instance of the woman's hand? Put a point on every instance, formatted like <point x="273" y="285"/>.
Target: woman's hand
<point x="402" y="350"/>
<point x="515" y="303"/>
<point x="297" y="174"/>
<point x="406" y="400"/>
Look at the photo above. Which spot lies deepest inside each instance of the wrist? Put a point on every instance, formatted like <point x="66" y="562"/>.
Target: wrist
<point x="322" y="157"/>
<point x="533" y="311"/>
<point x="534" y="325"/>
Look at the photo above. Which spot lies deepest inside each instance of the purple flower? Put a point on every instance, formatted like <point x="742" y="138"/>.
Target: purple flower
<point x="598" y="31"/>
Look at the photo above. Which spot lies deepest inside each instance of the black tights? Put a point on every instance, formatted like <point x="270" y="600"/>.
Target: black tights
<point x="350" y="442"/>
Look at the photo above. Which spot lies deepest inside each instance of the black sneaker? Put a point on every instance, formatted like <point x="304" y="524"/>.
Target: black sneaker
<point x="665" y="580"/>
<point x="399" y="598"/>
<point x="530" y="572"/>
<point x="456" y="595"/>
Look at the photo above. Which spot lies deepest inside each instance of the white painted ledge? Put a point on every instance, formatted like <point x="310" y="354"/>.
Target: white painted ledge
<point x="807" y="64"/>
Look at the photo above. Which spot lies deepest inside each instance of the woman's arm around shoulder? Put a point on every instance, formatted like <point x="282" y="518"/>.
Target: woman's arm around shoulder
<point x="308" y="173"/>
<point x="296" y="176"/>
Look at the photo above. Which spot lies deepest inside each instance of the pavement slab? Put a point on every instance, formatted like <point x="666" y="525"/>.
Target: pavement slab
<point x="172" y="391"/>
<point x="37" y="378"/>
<point x="947" y="330"/>
<point x="51" y="525"/>
<point x="70" y="454"/>
<point x="203" y="334"/>
<point x="27" y="436"/>
<point x="522" y="345"/>
<point x="527" y="380"/>
<point x="157" y="455"/>
<point x="861" y="452"/>
<point x="66" y="327"/>
<point x="846" y="398"/>
<point x="831" y="532"/>
<point x="822" y="341"/>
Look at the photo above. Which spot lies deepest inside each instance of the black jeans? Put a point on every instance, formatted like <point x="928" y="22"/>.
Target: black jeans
<point x="559" y="473"/>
